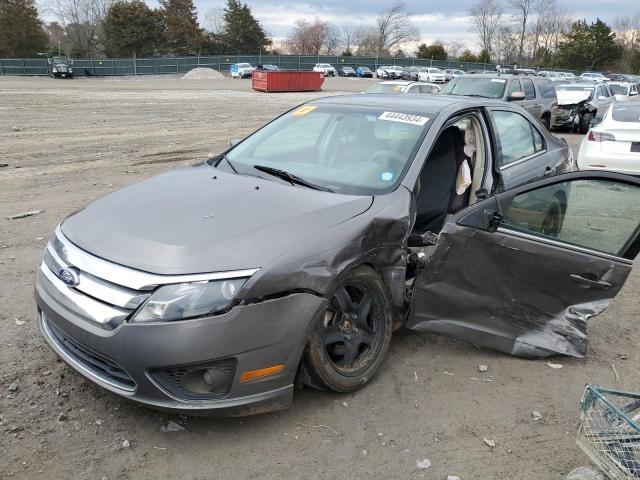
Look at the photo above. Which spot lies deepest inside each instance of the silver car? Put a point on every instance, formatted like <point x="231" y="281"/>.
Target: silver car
<point x="293" y="256"/>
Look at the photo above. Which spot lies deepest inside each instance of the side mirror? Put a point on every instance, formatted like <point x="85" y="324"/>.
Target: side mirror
<point x="70" y="61"/>
<point x="49" y="61"/>
<point x="516" y="96"/>
<point x="234" y="141"/>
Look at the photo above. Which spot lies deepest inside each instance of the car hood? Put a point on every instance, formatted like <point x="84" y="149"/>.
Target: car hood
<point x="570" y="97"/>
<point x="199" y="220"/>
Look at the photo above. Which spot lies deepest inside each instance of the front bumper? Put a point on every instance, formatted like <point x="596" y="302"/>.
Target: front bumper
<point x="254" y="336"/>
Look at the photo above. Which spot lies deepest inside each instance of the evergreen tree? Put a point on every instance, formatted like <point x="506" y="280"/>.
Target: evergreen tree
<point x="131" y="28"/>
<point x="589" y="47"/>
<point x="183" y="35"/>
<point x="467" y="56"/>
<point x="21" y="32"/>
<point x="435" y="51"/>
<point x="242" y="32"/>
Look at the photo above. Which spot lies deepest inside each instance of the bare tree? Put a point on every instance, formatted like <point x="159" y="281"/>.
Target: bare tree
<point x="331" y="40"/>
<point x="214" y="20"/>
<point x="348" y="31"/>
<point x="82" y="21"/>
<point x="628" y="36"/>
<point x="454" y="48"/>
<point x="523" y="9"/>
<point x="394" y="28"/>
<point x="366" y="38"/>
<point x="308" y="38"/>
<point x="486" y="16"/>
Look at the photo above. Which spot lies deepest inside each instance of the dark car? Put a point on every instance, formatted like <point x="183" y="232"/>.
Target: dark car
<point x="364" y="72"/>
<point x="60" y="67"/>
<point x="534" y="94"/>
<point x="346" y="72"/>
<point x="410" y="73"/>
<point x="294" y="255"/>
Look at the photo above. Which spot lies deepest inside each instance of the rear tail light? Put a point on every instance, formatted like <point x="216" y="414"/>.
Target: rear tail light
<point x="600" y="137"/>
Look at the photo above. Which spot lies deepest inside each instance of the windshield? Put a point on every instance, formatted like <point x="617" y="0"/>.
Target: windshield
<point x="243" y="65"/>
<point x="365" y="69"/>
<point x="347" y="149"/>
<point x="483" y="87"/>
<point x="435" y="70"/>
<point x="630" y="112"/>
<point x="59" y="59"/>
<point x="324" y="65"/>
<point x="386" y="88"/>
<point x="618" y="89"/>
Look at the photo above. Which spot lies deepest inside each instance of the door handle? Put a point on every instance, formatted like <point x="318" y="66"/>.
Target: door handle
<point x="590" y="282"/>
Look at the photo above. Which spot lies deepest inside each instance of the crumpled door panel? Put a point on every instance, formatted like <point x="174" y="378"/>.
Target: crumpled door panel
<point x="511" y="293"/>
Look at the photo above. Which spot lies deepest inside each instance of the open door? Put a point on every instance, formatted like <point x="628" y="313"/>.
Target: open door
<point x="523" y="271"/>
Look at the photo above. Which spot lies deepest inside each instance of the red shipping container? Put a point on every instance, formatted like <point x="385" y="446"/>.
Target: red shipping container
<point x="283" y="81"/>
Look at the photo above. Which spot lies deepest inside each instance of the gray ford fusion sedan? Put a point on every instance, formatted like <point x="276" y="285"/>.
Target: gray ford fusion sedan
<point x="292" y="257"/>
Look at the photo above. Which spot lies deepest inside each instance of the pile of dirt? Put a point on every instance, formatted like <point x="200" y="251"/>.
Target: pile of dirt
<point x="203" y="74"/>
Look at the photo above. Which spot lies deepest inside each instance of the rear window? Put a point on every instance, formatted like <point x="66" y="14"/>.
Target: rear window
<point x="618" y="89"/>
<point x="474" y="86"/>
<point x="626" y="113"/>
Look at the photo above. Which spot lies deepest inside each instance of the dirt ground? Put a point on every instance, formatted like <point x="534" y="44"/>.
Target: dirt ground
<point x="68" y="142"/>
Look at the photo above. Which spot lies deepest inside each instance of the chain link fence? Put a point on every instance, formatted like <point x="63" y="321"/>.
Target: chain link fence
<point x="177" y="65"/>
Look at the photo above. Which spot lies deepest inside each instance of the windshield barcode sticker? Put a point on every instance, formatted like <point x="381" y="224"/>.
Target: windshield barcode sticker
<point x="403" y="118"/>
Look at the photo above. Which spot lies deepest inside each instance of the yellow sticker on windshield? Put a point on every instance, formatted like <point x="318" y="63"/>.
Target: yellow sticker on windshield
<point x="304" y="110"/>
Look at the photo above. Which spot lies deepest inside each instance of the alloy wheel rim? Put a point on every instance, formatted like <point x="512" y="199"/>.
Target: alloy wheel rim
<point x="352" y="334"/>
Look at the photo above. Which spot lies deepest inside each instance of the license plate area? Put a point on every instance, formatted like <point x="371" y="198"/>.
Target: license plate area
<point x="635" y="147"/>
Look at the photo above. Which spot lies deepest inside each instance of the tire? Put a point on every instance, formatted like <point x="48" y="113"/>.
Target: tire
<point x="349" y="341"/>
<point x="585" y="123"/>
<point x="553" y="219"/>
<point x="546" y="121"/>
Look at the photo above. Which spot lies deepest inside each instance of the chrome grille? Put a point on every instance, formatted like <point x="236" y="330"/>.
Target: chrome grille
<point x="96" y="299"/>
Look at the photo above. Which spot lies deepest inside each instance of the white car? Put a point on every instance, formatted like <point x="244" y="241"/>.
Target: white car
<point x="325" y="68"/>
<point x="614" y="144"/>
<point x="404" y="87"/>
<point x="623" y="90"/>
<point x="389" y="71"/>
<point x="451" y="73"/>
<point x="432" y="75"/>
<point x="241" y="70"/>
<point x="594" y="77"/>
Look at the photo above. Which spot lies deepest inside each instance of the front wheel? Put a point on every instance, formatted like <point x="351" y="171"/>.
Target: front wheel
<point x="585" y="123"/>
<point x="349" y="341"/>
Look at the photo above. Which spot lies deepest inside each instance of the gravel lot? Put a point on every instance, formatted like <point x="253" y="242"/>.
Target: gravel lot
<point x="68" y="142"/>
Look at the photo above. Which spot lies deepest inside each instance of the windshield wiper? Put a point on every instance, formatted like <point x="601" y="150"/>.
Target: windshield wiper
<point x="473" y="95"/>
<point x="289" y="177"/>
<point x="219" y="159"/>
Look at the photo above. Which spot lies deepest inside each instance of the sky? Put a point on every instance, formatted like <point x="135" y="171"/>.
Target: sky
<point x="445" y="20"/>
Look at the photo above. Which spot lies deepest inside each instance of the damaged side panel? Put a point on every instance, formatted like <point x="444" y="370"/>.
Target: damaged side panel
<point x="375" y="237"/>
<point x="511" y="293"/>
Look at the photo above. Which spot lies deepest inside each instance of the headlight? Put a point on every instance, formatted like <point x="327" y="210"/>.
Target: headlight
<point x="188" y="300"/>
<point x="55" y="69"/>
<point x="70" y="69"/>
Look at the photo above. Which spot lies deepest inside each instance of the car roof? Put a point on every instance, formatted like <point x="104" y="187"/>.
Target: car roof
<point x="428" y="105"/>
<point x="580" y="84"/>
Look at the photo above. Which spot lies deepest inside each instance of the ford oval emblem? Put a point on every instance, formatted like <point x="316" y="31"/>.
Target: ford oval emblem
<point x="69" y="277"/>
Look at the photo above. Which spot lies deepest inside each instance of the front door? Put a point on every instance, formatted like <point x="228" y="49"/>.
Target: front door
<point x="523" y="271"/>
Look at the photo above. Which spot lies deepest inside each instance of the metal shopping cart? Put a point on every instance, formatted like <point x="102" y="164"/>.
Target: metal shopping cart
<point x="609" y="431"/>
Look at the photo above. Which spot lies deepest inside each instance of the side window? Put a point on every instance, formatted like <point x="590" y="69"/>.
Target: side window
<point x="515" y="135"/>
<point x="597" y="214"/>
<point x="514" y="86"/>
<point x="529" y="89"/>
<point x="538" y="142"/>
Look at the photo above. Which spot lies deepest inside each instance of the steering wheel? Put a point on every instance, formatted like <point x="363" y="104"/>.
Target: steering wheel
<point x="386" y="158"/>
